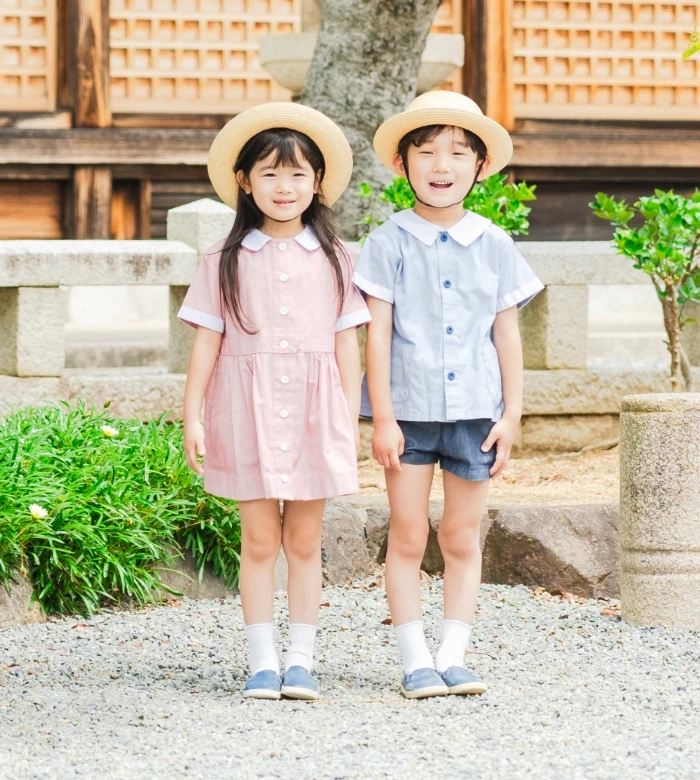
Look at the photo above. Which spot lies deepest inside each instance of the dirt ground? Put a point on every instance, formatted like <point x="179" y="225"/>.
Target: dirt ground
<point x="590" y="478"/>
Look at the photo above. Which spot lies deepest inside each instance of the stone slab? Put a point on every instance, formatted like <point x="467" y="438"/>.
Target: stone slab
<point x="343" y="547"/>
<point x="73" y="263"/>
<point x="16" y="608"/>
<point x="200" y="224"/>
<point x="182" y="575"/>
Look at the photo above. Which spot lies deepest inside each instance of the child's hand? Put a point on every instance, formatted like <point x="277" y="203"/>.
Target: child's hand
<point x="502" y="435"/>
<point x="193" y="441"/>
<point x="388" y="444"/>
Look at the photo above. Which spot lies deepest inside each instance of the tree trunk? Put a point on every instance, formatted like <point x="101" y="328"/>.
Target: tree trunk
<point x="364" y="70"/>
<point x="673" y="330"/>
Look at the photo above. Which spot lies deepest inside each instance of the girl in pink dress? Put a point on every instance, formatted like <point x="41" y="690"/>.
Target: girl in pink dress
<point x="277" y="363"/>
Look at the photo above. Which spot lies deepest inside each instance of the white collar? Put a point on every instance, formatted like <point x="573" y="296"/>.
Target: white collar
<point x="465" y="232"/>
<point x="256" y="240"/>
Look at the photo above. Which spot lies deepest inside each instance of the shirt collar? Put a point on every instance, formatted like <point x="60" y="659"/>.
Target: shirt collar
<point x="256" y="240"/>
<point x="464" y="232"/>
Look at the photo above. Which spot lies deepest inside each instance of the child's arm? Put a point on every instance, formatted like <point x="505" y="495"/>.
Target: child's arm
<point x="205" y="350"/>
<point x="506" y="337"/>
<point x="347" y="356"/>
<point x="387" y="441"/>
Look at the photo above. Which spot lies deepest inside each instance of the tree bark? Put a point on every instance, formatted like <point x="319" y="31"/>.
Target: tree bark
<point x="364" y="70"/>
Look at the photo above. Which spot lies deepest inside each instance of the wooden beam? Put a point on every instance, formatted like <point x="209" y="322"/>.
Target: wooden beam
<point x="87" y="61"/>
<point x="90" y="212"/>
<point x="170" y="121"/>
<point x="144" y="220"/>
<point x="499" y="62"/>
<point x="55" y="120"/>
<point x="575" y="147"/>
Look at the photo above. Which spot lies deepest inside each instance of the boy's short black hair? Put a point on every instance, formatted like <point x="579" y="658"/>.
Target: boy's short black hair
<point x="421" y="135"/>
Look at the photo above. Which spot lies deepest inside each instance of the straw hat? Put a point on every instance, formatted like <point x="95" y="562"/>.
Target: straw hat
<point x="293" y="116"/>
<point x="444" y="108"/>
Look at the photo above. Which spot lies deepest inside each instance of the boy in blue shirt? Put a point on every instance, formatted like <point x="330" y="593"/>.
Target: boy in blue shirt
<point x="444" y="379"/>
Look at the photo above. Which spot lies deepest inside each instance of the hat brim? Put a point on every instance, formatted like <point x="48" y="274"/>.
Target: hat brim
<point x="499" y="146"/>
<point x="323" y="132"/>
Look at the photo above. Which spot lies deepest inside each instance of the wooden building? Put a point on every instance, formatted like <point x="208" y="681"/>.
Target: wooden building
<point x="107" y="110"/>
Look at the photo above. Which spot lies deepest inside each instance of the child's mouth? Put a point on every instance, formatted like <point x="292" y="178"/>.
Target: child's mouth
<point x="284" y="202"/>
<point x="440" y="185"/>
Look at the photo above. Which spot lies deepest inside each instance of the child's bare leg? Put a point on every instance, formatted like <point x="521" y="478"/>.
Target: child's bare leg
<point x="458" y="536"/>
<point x="409" y="494"/>
<point x="261" y="535"/>
<point x="301" y="538"/>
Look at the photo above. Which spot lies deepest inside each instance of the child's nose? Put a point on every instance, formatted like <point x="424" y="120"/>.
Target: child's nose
<point x="441" y="164"/>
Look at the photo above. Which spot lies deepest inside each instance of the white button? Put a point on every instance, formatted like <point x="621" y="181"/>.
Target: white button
<point x="284" y="413"/>
<point x="284" y="343"/>
<point x="283" y="246"/>
<point x="284" y="446"/>
<point x="283" y="277"/>
<point x="284" y="379"/>
<point x="284" y="310"/>
<point x="284" y="478"/>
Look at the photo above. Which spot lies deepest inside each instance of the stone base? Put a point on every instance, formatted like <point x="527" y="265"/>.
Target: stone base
<point x="573" y="549"/>
<point x="16" y="608"/>
<point x="182" y="575"/>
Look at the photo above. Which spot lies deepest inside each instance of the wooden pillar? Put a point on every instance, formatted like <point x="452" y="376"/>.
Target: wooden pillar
<point x="91" y="202"/>
<point x="87" y="66"/>
<point x="488" y="77"/>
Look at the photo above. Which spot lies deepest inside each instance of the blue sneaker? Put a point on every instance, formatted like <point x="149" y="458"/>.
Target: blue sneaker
<point x="298" y="683"/>
<point x="423" y="683"/>
<point x="462" y="681"/>
<point x="263" y="685"/>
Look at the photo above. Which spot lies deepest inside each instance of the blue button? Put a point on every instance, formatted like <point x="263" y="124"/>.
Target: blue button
<point x="450" y="330"/>
<point x="448" y="283"/>
<point x="443" y="237"/>
<point x="451" y="375"/>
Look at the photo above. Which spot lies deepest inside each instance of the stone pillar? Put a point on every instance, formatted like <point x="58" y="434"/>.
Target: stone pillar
<point x="690" y="335"/>
<point x="200" y="224"/>
<point x="660" y="509"/>
<point x="32" y="328"/>
<point x="555" y="328"/>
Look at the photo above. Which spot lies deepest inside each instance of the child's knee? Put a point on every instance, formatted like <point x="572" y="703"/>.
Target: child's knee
<point x="260" y="546"/>
<point x="459" y="542"/>
<point x="302" y="544"/>
<point x="408" y="541"/>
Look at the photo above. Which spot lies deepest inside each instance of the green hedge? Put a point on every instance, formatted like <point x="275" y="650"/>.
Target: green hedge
<point x="90" y="504"/>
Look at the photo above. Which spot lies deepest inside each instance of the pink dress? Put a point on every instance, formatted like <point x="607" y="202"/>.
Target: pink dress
<point x="276" y="421"/>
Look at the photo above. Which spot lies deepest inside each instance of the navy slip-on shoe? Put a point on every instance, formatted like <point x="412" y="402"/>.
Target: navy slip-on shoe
<point x="263" y="685"/>
<point x="299" y="683"/>
<point x="462" y="681"/>
<point x="423" y="683"/>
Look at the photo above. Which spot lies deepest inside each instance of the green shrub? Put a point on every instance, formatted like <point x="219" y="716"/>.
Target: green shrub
<point x="89" y="505"/>
<point x="494" y="198"/>
<point x="666" y="246"/>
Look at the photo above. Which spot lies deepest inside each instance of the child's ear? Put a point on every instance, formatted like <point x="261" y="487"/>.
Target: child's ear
<point x="399" y="167"/>
<point x="484" y="172"/>
<point x="243" y="182"/>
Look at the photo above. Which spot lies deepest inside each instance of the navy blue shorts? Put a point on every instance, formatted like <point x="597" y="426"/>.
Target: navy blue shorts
<point x="455" y="445"/>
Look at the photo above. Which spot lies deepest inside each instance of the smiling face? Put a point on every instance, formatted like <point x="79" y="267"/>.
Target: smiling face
<point x="281" y="188"/>
<point x="441" y="165"/>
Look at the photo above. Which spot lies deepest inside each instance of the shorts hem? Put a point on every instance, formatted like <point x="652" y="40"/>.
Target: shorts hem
<point x="468" y="473"/>
<point x="417" y="459"/>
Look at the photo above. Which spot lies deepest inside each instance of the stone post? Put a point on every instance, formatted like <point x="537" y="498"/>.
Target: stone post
<point x="555" y="328"/>
<point x="32" y="328"/>
<point x="660" y="509"/>
<point x="200" y="224"/>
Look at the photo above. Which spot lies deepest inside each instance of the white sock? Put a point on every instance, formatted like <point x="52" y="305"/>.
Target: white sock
<point x="455" y="638"/>
<point x="301" y="646"/>
<point x="261" y="648"/>
<point x="413" y="648"/>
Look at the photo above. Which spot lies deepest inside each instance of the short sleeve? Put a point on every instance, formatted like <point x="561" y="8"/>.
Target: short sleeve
<point x="354" y="311"/>
<point x="202" y="304"/>
<point x="517" y="283"/>
<point x="378" y="265"/>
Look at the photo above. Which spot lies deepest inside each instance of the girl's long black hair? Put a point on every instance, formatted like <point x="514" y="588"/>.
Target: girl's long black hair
<point x="287" y="145"/>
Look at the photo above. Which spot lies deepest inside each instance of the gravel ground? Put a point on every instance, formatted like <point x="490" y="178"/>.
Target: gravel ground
<point x="575" y="693"/>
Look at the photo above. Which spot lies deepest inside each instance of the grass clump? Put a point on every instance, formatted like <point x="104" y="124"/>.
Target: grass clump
<point x="90" y="504"/>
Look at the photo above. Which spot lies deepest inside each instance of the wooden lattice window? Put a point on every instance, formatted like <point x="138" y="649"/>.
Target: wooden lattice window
<point x="194" y="56"/>
<point x="448" y="20"/>
<point x="607" y="60"/>
<point x="27" y="55"/>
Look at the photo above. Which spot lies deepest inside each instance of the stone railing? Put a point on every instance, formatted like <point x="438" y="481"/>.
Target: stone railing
<point x="566" y="405"/>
